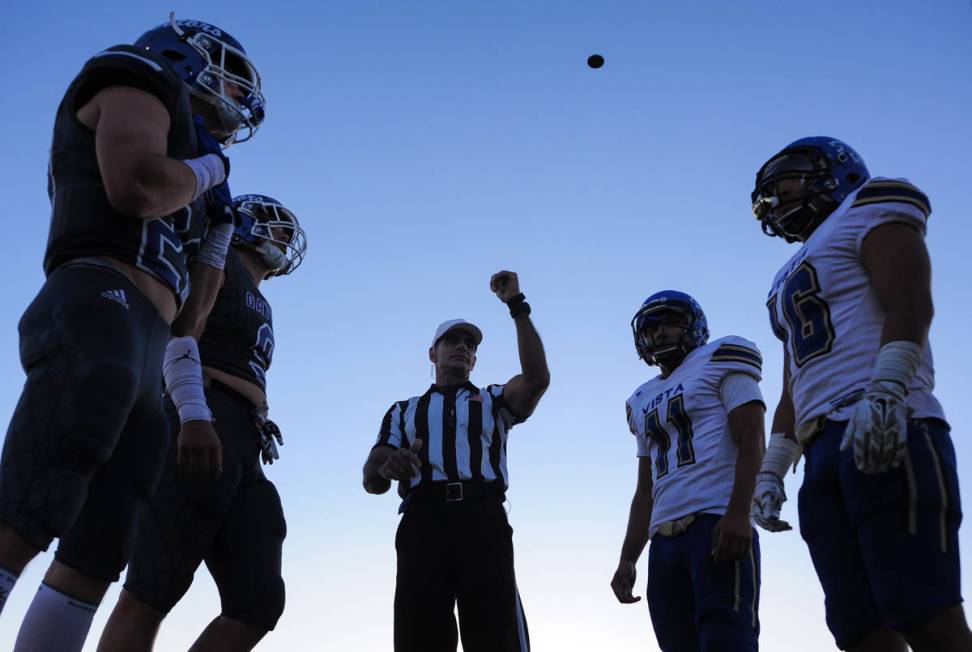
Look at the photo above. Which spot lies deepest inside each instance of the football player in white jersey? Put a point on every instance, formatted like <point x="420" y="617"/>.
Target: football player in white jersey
<point x="699" y="429"/>
<point x="879" y="506"/>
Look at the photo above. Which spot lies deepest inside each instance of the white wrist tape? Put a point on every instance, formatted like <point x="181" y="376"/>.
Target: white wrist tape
<point x="213" y="250"/>
<point x="209" y="171"/>
<point x="780" y="454"/>
<point x="898" y="362"/>
<point x="183" y="379"/>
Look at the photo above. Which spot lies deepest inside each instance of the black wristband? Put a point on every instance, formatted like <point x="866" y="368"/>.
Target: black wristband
<point x="521" y="308"/>
<point x="515" y="301"/>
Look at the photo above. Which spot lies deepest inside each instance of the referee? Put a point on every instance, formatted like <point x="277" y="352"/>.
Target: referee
<point x="447" y="449"/>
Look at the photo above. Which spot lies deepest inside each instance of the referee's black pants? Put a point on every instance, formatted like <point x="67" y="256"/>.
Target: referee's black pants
<point x="451" y="553"/>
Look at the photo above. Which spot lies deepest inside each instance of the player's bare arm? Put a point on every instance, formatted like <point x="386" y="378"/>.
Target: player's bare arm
<point x="386" y="464"/>
<point x="782" y="452"/>
<point x="200" y="451"/>
<point x="131" y="139"/>
<point x="898" y="265"/>
<point x="784" y="416"/>
<point x="636" y="536"/>
<point x="733" y="535"/>
<point x="206" y="282"/>
<point x="523" y="391"/>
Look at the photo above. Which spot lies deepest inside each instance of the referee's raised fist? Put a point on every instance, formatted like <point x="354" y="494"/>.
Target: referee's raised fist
<point x="403" y="464"/>
<point x="505" y="284"/>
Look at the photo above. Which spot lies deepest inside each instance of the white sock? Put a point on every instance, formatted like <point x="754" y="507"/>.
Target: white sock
<point x="7" y="581"/>
<point x="54" y="623"/>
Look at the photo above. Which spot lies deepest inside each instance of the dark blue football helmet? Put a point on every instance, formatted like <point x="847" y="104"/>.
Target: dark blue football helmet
<point x="669" y="307"/>
<point x="209" y="60"/>
<point x="267" y="227"/>
<point x="801" y="186"/>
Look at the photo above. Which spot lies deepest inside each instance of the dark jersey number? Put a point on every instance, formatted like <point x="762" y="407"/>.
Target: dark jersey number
<point x="811" y="331"/>
<point x="161" y="255"/>
<point x="262" y="353"/>
<point x="679" y="418"/>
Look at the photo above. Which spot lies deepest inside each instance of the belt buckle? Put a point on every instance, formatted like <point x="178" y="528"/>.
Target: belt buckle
<point x="453" y="492"/>
<point x="682" y="524"/>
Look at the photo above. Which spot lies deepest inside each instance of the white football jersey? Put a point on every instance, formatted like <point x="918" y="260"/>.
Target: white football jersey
<point x="824" y="309"/>
<point x="682" y="424"/>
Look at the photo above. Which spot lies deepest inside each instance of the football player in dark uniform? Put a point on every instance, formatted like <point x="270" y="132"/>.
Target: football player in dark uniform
<point x="235" y="523"/>
<point x="135" y="173"/>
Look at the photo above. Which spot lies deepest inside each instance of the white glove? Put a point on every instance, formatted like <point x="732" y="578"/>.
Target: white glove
<point x="768" y="501"/>
<point x="769" y="496"/>
<point x="878" y="428"/>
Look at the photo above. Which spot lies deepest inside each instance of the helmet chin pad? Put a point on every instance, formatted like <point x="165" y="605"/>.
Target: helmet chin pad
<point x="273" y="258"/>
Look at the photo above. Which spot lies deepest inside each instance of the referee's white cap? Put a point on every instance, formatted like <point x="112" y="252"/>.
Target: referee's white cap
<point x="457" y="324"/>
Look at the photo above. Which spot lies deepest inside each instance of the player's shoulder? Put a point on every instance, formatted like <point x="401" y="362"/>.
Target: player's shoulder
<point x="126" y="65"/>
<point x="643" y="390"/>
<point x="895" y="194"/>
<point x="134" y="60"/>
<point x="734" y="354"/>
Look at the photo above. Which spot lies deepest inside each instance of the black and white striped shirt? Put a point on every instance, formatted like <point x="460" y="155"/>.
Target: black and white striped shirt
<point x="463" y="429"/>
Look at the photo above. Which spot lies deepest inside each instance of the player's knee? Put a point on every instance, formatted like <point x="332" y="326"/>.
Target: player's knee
<point x="262" y="608"/>
<point x="136" y="611"/>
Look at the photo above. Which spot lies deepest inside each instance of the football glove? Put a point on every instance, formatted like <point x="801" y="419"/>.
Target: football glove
<point x="878" y="427"/>
<point x="219" y="199"/>
<point x="768" y="500"/>
<point x="270" y="436"/>
<point x="769" y="496"/>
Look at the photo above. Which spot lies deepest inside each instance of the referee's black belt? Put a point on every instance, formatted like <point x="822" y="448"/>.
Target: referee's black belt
<point x="455" y="492"/>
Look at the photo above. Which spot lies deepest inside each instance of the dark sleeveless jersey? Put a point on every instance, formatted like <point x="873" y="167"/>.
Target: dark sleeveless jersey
<point x="83" y="222"/>
<point x="238" y="338"/>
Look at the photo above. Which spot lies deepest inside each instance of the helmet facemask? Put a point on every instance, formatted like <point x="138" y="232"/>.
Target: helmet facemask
<point x="792" y="194"/>
<point x="654" y="346"/>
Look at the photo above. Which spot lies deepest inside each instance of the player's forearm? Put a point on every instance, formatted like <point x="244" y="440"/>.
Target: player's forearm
<point x="205" y="283"/>
<point x="151" y="186"/>
<point x="639" y="520"/>
<point x="748" y="461"/>
<point x="533" y="359"/>
<point x="783" y="417"/>
<point x="373" y="482"/>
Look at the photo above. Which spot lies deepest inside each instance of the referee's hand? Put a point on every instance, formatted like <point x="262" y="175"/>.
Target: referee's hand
<point x="505" y="284"/>
<point x="403" y="464"/>
<point x="623" y="583"/>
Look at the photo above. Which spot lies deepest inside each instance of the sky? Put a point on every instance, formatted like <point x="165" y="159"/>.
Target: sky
<point x="424" y="145"/>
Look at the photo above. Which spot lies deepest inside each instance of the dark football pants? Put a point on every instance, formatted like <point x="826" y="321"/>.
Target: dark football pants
<point x="884" y="545"/>
<point x="85" y="445"/>
<point x="451" y="553"/>
<point x="696" y="604"/>
<point x="234" y="522"/>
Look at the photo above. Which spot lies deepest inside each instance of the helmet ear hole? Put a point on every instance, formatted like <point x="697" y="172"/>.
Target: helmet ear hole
<point x="853" y="178"/>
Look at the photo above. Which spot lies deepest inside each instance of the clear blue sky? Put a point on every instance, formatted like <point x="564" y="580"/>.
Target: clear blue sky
<point x="428" y="143"/>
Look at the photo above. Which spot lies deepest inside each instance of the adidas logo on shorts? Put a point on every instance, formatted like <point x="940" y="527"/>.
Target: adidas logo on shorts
<point x="117" y="296"/>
